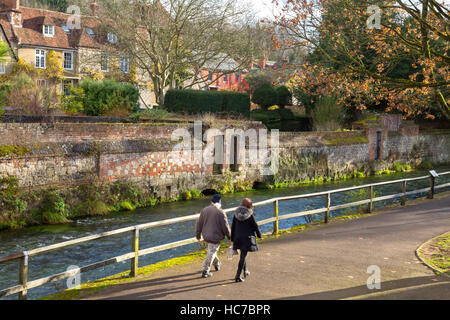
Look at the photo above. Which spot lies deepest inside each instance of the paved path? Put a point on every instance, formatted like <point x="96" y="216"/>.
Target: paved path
<point x="329" y="262"/>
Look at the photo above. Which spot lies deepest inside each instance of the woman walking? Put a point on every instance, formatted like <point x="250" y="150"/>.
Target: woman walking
<point x="243" y="230"/>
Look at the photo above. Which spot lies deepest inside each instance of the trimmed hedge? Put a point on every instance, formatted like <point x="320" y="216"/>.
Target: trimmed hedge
<point x="284" y="96"/>
<point x="265" y="96"/>
<point x="199" y="101"/>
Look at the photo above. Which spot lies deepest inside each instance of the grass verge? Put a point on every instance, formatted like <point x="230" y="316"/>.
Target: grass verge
<point x="436" y="253"/>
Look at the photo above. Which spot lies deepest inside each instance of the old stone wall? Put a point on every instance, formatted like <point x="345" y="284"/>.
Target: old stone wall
<point x="64" y="154"/>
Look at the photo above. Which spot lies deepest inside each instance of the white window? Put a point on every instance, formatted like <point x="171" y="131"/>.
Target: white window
<point x="68" y="61"/>
<point x="104" y="62"/>
<point x="2" y="68"/>
<point x="49" y="31"/>
<point x="90" y="32"/>
<point x="125" y="65"/>
<point x="40" y="59"/>
<point x="112" y="37"/>
<point x="66" y="28"/>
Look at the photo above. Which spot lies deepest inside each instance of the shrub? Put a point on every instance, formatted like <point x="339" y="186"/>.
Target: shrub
<point x="126" y="206"/>
<point x="196" y="193"/>
<point x="327" y="115"/>
<point x="150" y="114"/>
<point x="265" y="96"/>
<point x="187" y="195"/>
<point x="199" y="101"/>
<point x="401" y="167"/>
<point x="100" y="97"/>
<point x="426" y="164"/>
<point x="53" y="208"/>
<point x="284" y="96"/>
<point x="73" y="104"/>
<point x="282" y="119"/>
<point x="22" y="95"/>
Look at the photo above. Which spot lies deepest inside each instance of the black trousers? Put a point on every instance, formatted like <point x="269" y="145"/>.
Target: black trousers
<point x="242" y="266"/>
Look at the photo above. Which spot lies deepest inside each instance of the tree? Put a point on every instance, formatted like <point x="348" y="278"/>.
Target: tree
<point x="170" y="41"/>
<point x="58" y="5"/>
<point x="346" y="34"/>
<point x="265" y="96"/>
<point x="284" y="96"/>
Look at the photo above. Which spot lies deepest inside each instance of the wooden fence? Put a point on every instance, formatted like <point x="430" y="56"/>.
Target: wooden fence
<point x="22" y="257"/>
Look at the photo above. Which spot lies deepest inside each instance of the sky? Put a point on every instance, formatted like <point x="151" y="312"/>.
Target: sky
<point x="263" y="8"/>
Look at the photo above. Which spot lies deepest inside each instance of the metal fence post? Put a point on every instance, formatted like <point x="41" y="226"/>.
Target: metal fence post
<point x="370" y="204"/>
<point x="328" y="203"/>
<point x="403" y="200"/>
<point x="23" y="275"/>
<point x="135" y="250"/>
<point x="275" y="214"/>
<point x="431" y="194"/>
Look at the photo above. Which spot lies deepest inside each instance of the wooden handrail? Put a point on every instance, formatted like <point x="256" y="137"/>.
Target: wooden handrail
<point x="24" y="285"/>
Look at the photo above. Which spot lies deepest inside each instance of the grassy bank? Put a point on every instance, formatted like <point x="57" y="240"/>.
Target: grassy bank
<point x="22" y="208"/>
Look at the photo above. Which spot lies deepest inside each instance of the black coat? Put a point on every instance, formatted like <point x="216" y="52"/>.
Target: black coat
<point x="241" y="230"/>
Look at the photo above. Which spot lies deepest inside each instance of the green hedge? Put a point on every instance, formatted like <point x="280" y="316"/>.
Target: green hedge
<point x="199" y="101"/>
<point x="99" y="97"/>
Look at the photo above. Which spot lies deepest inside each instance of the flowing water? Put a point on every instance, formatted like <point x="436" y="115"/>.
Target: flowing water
<point x="80" y="255"/>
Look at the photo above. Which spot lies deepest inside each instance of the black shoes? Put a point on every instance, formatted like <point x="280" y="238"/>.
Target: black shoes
<point x="239" y="279"/>
<point x="206" y="274"/>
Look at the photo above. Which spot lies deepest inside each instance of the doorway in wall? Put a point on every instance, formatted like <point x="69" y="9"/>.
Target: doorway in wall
<point x="378" y="145"/>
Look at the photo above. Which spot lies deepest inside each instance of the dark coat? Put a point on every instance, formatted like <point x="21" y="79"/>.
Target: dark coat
<point x="244" y="225"/>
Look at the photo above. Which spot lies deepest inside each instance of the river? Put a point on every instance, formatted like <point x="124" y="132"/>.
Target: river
<point x="80" y="255"/>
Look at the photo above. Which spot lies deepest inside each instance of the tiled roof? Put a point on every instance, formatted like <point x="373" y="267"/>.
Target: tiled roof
<point x="31" y="32"/>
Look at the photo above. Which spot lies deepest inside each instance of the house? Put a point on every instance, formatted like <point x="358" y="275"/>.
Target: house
<point x="84" y="48"/>
<point x="224" y="73"/>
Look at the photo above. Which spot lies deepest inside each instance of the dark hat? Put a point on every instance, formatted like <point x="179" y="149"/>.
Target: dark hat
<point x="216" y="198"/>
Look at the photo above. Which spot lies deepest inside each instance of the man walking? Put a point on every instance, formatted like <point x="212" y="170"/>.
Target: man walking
<point x="213" y="225"/>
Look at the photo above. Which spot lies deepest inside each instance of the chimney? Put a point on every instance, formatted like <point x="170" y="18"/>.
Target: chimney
<point x="10" y="5"/>
<point x="12" y="9"/>
<point x="94" y="7"/>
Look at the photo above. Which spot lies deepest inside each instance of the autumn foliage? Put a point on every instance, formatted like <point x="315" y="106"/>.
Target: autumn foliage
<point x="393" y="55"/>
